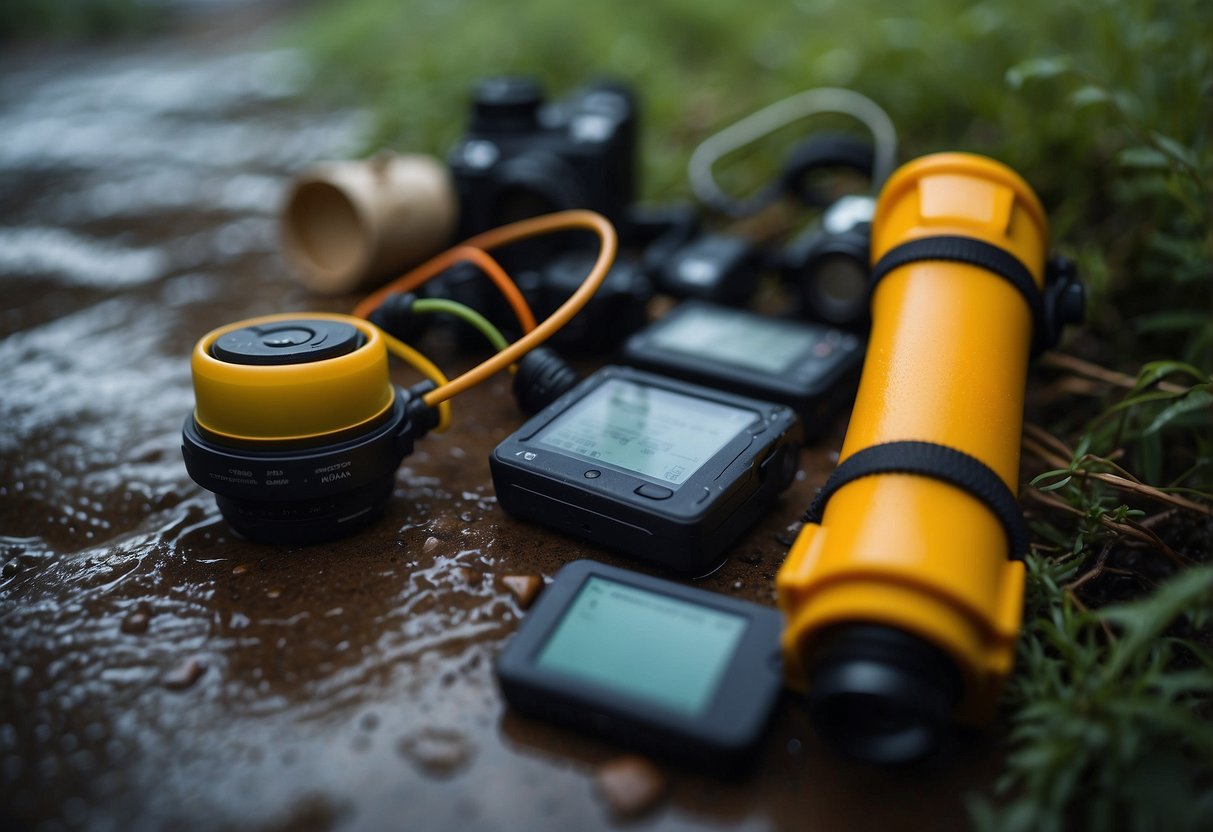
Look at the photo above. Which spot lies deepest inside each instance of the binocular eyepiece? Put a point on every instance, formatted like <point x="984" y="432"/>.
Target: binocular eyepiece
<point x="903" y="592"/>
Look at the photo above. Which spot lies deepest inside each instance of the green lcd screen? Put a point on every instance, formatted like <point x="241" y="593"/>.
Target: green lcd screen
<point x="746" y="341"/>
<point x="659" y="434"/>
<point x="670" y="652"/>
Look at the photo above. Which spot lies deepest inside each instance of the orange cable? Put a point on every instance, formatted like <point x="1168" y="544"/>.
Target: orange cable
<point x="465" y="253"/>
<point x="513" y="233"/>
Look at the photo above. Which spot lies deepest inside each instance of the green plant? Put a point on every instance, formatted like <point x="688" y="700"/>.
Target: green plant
<point x="1111" y="725"/>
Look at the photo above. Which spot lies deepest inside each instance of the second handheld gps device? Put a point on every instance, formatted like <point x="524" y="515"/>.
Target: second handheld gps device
<point x="667" y="668"/>
<point x="812" y="368"/>
<point x="659" y="469"/>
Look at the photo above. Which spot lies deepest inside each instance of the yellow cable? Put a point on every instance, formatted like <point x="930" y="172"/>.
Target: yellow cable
<point x="516" y="232"/>
<point x="427" y="368"/>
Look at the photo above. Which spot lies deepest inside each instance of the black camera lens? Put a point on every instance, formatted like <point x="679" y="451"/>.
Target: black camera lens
<point x="827" y="264"/>
<point x="836" y="287"/>
<point x="881" y="695"/>
<point x="506" y="103"/>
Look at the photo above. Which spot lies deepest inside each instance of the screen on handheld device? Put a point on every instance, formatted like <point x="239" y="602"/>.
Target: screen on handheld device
<point x="746" y="341"/>
<point x="663" y="649"/>
<point x="656" y="433"/>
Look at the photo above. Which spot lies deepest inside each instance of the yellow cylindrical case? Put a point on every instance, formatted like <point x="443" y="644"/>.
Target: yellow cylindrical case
<point x="946" y="365"/>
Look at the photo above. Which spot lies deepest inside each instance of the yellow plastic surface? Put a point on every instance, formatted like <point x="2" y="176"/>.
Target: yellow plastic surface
<point x="296" y="401"/>
<point x="946" y="363"/>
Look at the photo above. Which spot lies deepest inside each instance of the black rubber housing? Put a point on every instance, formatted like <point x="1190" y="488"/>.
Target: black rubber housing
<point x="543" y="376"/>
<point x="395" y="317"/>
<point x="881" y="695"/>
<point x="301" y="492"/>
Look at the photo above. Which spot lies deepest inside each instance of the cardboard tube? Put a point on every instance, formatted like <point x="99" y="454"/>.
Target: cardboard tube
<point x="348" y="226"/>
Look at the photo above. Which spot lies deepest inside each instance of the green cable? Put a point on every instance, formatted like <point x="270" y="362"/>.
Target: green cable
<point x="431" y="306"/>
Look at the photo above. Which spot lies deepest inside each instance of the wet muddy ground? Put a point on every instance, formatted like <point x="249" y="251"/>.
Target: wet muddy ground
<point x="155" y="671"/>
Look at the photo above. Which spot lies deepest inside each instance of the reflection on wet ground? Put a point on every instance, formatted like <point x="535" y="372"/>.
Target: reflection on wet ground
<point x="157" y="672"/>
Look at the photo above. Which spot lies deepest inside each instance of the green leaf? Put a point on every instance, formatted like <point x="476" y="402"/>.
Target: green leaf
<point x="1176" y="150"/>
<point x="1057" y="472"/>
<point x="1090" y="94"/>
<point x="1062" y="483"/>
<point x="1157" y="370"/>
<point x="1144" y="620"/>
<point x="1183" y="683"/>
<point x="1198" y="399"/>
<point x="1176" y="320"/>
<point x="1036" y="69"/>
<point x="1143" y="157"/>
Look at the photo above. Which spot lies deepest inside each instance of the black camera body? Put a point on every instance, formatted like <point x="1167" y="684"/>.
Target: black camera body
<point x="826" y="266"/>
<point x="524" y="156"/>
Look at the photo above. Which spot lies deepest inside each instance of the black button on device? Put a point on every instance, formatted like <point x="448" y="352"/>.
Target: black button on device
<point x="654" y="492"/>
<point x="298" y="341"/>
<point x="592" y="474"/>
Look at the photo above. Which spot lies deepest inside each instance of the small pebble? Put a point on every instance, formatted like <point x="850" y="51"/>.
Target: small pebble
<point x="524" y="587"/>
<point x="467" y="576"/>
<point x="631" y="785"/>
<point x="136" y="622"/>
<point x="239" y="569"/>
<point x="184" y="675"/>
<point x="437" y="752"/>
<point x="273" y="592"/>
<point x="431" y="543"/>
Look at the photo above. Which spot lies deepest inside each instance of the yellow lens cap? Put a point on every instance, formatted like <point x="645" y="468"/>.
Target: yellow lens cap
<point x="290" y="377"/>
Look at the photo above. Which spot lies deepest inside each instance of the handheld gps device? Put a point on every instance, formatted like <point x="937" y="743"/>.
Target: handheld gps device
<point x="811" y="368"/>
<point x="655" y="468"/>
<point x="666" y="668"/>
